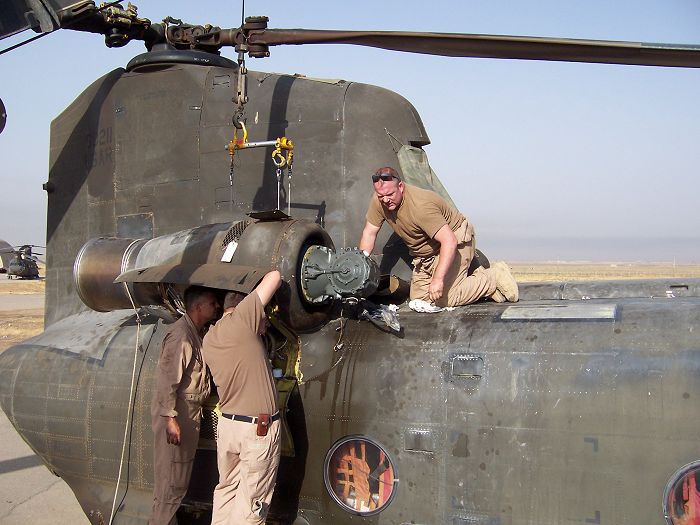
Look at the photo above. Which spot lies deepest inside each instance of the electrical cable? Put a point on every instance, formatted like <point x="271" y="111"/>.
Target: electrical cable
<point x="338" y="347"/>
<point x="29" y="40"/>
<point x="130" y="404"/>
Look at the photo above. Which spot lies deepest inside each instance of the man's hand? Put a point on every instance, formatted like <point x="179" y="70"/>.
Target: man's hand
<point x="448" y="249"/>
<point x="172" y="431"/>
<point x="435" y="289"/>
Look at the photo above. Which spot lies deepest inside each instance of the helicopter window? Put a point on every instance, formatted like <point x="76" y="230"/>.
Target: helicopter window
<point x="682" y="496"/>
<point x="360" y="475"/>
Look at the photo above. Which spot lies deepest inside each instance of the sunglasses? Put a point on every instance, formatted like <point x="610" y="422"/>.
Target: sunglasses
<point x="383" y="176"/>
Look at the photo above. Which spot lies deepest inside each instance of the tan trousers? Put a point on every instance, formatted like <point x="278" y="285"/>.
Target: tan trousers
<point x="172" y="464"/>
<point x="459" y="288"/>
<point x="247" y="472"/>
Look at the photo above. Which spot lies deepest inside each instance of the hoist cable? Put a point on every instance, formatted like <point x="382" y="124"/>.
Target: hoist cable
<point x="130" y="404"/>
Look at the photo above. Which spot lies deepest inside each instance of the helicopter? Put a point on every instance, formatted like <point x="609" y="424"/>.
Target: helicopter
<point x="4" y="245"/>
<point x="21" y="261"/>
<point x="558" y="409"/>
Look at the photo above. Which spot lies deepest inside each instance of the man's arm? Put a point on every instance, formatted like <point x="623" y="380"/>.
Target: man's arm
<point x="369" y="237"/>
<point x="173" y="360"/>
<point x="448" y="248"/>
<point x="268" y="286"/>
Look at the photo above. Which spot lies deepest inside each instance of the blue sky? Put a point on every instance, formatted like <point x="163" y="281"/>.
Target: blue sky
<point x="528" y="150"/>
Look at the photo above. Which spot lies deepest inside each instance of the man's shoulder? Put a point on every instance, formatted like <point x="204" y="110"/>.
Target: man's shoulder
<point x="178" y="328"/>
<point x="250" y="304"/>
<point x="216" y="329"/>
<point x="421" y="195"/>
<point x="181" y="332"/>
<point x="228" y="322"/>
<point x="250" y="300"/>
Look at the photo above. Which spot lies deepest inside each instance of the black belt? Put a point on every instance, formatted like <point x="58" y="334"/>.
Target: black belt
<point x="250" y="419"/>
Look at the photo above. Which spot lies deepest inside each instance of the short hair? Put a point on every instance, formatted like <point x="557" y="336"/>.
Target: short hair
<point x="233" y="299"/>
<point x="194" y="294"/>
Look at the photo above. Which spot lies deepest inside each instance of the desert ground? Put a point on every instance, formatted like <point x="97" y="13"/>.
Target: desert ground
<point x="581" y="271"/>
<point x="22" y="305"/>
<point x="21" y="310"/>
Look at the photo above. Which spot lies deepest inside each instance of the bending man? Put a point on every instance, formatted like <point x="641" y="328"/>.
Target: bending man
<point x="182" y="386"/>
<point x="248" y="433"/>
<point x="440" y="240"/>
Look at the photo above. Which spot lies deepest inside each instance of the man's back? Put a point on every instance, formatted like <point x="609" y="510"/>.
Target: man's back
<point x="237" y="358"/>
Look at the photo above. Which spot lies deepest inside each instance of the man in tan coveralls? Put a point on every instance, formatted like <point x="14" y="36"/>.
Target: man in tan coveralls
<point x="182" y="385"/>
<point x="441" y="241"/>
<point x="248" y="433"/>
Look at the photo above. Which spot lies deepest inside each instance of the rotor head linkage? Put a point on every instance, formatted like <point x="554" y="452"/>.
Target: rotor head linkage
<point x="240" y="38"/>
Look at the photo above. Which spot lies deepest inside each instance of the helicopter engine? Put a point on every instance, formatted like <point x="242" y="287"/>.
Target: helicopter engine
<point x="113" y="273"/>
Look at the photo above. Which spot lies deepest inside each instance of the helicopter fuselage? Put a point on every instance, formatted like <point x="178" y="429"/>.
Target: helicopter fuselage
<point x="548" y="411"/>
<point x="574" y="405"/>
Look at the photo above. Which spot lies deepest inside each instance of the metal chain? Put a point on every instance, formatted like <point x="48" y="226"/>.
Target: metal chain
<point x="279" y="186"/>
<point x="289" y="189"/>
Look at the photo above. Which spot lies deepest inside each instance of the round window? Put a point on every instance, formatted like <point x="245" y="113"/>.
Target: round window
<point x="682" y="496"/>
<point x="360" y="475"/>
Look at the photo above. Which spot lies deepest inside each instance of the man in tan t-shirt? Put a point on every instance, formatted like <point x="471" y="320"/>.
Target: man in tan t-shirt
<point x="182" y="384"/>
<point x="248" y="433"/>
<point x="441" y="241"/>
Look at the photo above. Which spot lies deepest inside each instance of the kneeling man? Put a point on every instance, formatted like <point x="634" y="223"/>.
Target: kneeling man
<point x="441" y="241"/>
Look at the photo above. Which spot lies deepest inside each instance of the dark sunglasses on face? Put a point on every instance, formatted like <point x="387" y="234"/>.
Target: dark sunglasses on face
<point x="383" y="176"/>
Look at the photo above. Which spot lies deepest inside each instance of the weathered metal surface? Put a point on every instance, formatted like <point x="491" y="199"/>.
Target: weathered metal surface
<point x="539" y="419"/>
<point x="222" y="276"/>
<point x="584" y="411"/>
<point x="572" y="311"/>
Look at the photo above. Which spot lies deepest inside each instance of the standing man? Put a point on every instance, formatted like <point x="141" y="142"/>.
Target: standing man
<point x="248" y="433"/>
<point x="441" y="241"/>
<point x="181" y="387"/>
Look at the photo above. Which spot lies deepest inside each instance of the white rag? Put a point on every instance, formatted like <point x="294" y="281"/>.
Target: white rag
<point x="418" y="305"/>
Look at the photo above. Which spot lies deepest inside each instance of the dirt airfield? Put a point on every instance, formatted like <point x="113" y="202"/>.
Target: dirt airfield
<point x="22" y="310"/>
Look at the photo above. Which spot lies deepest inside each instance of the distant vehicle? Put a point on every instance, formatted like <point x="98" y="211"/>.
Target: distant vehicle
<point x="4" y="258"/>
<point x="22" y="262"/>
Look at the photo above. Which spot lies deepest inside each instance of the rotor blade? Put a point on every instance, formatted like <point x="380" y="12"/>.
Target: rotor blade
<point x="492" y="46"/>
<point x="19" y="15"/>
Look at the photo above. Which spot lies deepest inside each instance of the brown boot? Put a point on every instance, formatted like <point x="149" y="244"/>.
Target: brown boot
<point x="505" y="282"/>
<point x="496" y="296"/>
